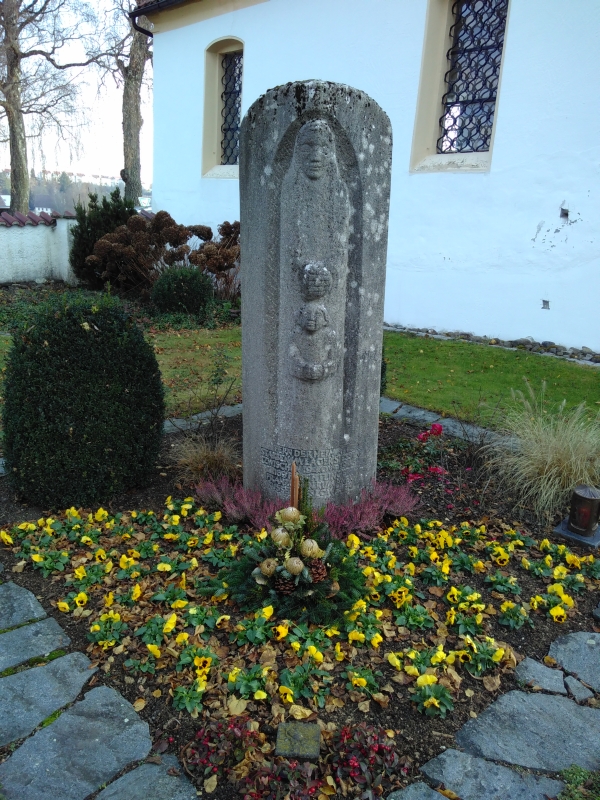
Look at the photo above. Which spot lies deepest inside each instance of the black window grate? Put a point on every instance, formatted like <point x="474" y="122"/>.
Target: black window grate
<point x="231" y="111"/>
<point x="472" y="80"/>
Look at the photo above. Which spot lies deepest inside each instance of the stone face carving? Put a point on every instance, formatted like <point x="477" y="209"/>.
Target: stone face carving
<point x="315" y="161"/>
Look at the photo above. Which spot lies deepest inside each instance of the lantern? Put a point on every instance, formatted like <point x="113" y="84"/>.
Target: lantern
<point x="585" y="510"/>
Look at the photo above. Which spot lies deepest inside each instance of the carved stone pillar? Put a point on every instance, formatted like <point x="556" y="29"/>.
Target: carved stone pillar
<point x="315" y="163"/>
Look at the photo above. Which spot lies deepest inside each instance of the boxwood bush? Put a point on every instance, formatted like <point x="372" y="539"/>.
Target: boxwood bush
<point x="185" y="289"/>
<point x="84" y="404"/>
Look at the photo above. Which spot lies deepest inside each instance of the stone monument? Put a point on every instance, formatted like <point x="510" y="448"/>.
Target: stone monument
<point x="315" y="164"/>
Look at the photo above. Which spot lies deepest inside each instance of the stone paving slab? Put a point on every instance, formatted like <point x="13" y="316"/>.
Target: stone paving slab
<point x="18" y="605"/>
<point x="416" y="791"/>
<point x="577" y="689"/>
<point x="29" y="697"/>
<point x="151" y="782"/>
<point x="539" y="731"/>
<point x="532" y="673"/>
<point x="37" y="639"/>
<point x="579" y="653"/>
<point x="476" y="779"/>
<point x="84" y="748"/>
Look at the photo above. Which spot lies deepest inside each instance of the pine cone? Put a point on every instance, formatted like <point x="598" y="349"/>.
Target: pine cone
<point x="318" y="570"/>
<point x="284" y="585"/>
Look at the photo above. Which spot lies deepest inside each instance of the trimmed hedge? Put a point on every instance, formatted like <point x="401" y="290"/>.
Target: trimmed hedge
<point x="84" y="404"/>
<point x="184" y="289"/>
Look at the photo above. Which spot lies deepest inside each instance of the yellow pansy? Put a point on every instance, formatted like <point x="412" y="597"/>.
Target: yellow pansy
<point x="376" y="640"/>
<point x="6" y="538"/>
<point x="410" y="670"/>
<point x="498" y="655"/>
<point x="81" y="599"/>
<point x="136" y="592"/>
<point x="281" y="631"/>
<point x="332" y="632"/>
<point x="339" y="653"/>
<point x="217" y="516"/>
<point x="163" y="567"/>
<point x="394" y="661"/>
<point x="315" y="654"/>
<point x="356" y="680"/>
<point x="560" y="572"/>
<point x="80" y="573"/>
<point x="426" y="680"/>
<point x="266" y="612"/>
<point x="356" y="636"/>
<point x="179" y="603"/>
<point x="260" y="695"/>
<point x="223" y="620"/>
<point x="37" y="558"/>
<point x="233" y="674"/>
<point x="182" y="638"/>
<point x="100" y="515"/>
<point x="296" y="646"/>
<point x="506" y="606"/>
<point x="286" y="694"/>
<point x="154" y="650"/>
<point x="431" y="701"/>
<point x="108" y="566"/>
<point x="62" y="606"/>
<point x="109" y="599"/>
<point x="558" y="614"/>
<point x="170" y="623"/>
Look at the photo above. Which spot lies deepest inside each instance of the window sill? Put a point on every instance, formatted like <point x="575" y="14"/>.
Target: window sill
<point x="228" y="171"/>
<point x="454" y="162"/>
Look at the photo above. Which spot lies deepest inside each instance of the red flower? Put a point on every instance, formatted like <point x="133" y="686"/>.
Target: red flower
<point x="436" y="429"/>
<point x="422" y="437"/>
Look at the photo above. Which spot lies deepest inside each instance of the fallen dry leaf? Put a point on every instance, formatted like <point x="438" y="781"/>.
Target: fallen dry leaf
<point x="236" y="706"/>
<point x="210" y="784"/>
<point x="449" y="793"/>
<point x="469" y="692"/>
<point x="156" y="693"/>
<point x="382" y="699"/>
<point x="549" y="661"/>
<point x="156" y="759"/>
<point x="19" y="567"/>
<point x="365" y="706"/>
<point x="139" y="704"/>
<point x="492" y="682"/>
<point x="297" y="712"/>
<point x="118" y="650"/>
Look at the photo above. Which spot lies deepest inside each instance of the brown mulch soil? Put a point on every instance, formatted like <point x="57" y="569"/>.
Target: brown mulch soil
<point x="462" y="492"/>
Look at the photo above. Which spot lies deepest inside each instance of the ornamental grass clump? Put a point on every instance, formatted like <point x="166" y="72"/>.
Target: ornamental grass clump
<point x="548" y="452"/>
<point x="84" y="405"/>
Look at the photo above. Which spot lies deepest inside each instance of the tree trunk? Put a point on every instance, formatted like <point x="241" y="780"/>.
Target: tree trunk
<point x="19" y="174"/>
<point x="132" y="116"/>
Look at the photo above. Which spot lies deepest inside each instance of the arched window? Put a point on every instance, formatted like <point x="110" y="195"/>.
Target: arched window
<point x="222" y="108"/>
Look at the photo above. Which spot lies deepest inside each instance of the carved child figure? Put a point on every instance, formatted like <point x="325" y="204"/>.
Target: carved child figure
<point x="314" y="347"/>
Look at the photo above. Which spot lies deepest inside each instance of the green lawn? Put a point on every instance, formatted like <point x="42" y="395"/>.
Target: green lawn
<point x="473" y="382"/>
<point x="459" y="379"/>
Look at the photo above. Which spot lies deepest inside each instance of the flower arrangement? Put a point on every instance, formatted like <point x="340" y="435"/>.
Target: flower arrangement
<point x="302" y="576"/>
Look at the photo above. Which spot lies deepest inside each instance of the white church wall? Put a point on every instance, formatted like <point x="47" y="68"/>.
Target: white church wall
<point x="467" y="251"/>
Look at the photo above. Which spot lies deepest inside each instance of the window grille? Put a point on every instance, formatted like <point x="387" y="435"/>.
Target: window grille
<point x="231" y="98"/>
<point x="472" y="80"/>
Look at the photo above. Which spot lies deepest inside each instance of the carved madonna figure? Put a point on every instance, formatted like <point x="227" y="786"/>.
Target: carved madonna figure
<point x="314" y="225"/>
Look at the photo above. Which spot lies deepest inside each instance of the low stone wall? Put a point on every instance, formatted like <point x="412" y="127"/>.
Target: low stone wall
<point x="582" y="354"/>
<point x="36" y="252"/>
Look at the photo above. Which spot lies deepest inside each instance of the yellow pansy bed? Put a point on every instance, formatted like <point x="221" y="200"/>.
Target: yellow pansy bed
<point x="439" y="605"/>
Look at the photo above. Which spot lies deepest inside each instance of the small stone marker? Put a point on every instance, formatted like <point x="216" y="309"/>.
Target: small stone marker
<point x="315" y="176"/>
<point x="18" y="605"/>
<point x="298" y="740"/>
<point x="39" y="639"/>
